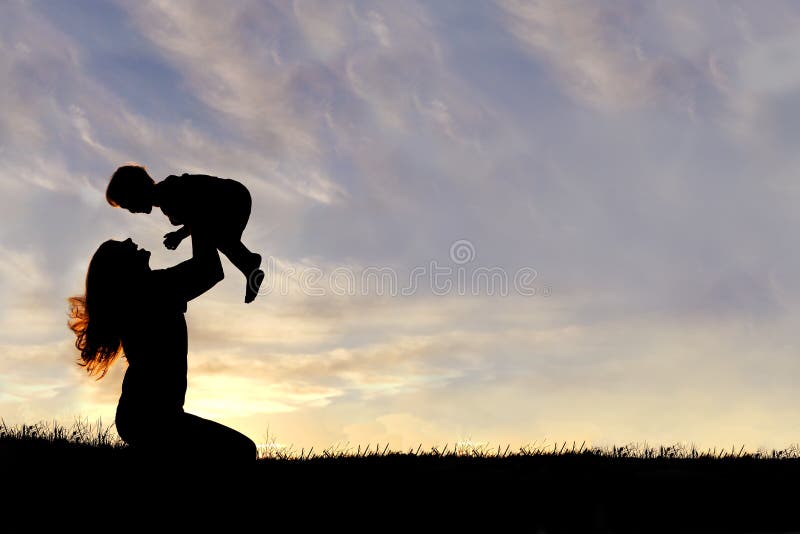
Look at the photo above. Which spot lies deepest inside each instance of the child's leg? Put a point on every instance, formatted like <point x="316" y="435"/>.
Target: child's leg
<point x="230" y="239"/>
<point x="248" y="263"/>
<point x="240" y="256"/>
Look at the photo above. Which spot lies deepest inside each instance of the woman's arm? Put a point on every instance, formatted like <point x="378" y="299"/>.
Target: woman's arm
<point x="195" y="276"/>
<point x="184" y="231"/>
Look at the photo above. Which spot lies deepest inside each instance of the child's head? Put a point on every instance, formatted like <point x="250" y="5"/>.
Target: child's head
<point x="131" y="188"/>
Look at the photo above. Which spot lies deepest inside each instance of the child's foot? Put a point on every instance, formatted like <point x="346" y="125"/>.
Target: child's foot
<point x="254" y="279"/>
<point x="253" y="285"/>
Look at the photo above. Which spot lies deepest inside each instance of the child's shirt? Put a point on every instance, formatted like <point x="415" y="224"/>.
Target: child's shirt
<point x="189" y="198"/>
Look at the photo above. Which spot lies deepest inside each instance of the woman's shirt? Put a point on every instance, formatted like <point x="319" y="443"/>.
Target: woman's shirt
<point x="155" y="343"/>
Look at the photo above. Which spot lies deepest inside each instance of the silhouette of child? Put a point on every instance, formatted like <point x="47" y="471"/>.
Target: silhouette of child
<point x="216" y="208"/>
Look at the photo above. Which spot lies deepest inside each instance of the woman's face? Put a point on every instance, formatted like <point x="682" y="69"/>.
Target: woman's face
<point x="139" y="257"/>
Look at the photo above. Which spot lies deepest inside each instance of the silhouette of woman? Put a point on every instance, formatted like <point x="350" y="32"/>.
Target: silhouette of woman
<point x="129" y="309"/>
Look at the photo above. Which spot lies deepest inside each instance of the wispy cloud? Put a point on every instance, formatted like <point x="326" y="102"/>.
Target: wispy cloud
<point x="639" y="156"/>
<point x="623" y="54"/>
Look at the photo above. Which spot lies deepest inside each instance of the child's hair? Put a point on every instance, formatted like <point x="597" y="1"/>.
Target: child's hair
<point x="126" y="180"/>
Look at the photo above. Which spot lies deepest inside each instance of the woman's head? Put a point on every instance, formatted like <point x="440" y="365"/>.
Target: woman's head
<point x="97" y="317"/>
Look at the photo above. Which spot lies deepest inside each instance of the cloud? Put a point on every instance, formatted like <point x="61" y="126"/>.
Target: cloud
<point x="246" y="396"/>
<point x="621" y="55"/>
<point x="23" y="285"/>
<point x="36" y="381"/>
<point x="639" y="157"/>
<point x="236" y="74"/>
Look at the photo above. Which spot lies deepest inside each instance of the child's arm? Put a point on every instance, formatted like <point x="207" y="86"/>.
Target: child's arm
<point x="173" y="239"/>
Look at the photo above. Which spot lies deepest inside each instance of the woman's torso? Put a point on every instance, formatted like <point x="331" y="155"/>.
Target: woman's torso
<point x="155" y="343"/>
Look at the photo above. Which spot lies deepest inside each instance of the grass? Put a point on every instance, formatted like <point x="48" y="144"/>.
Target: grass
<point x="641" y="451"/>
<point x="563" y="486"/>
<point x="84" y="434"/>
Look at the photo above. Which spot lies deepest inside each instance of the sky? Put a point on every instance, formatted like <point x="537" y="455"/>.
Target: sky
<point x="503" y="222"/>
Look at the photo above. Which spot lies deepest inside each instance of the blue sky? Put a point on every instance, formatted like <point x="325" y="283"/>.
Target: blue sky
<point x="639" y="156"/>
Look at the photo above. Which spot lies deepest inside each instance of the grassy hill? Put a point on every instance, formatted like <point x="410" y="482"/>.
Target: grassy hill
<point x="564" y="487"/>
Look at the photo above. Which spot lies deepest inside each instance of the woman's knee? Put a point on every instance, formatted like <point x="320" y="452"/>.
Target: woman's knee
<point x="219" y="441"/>
<point x="248" y="448"/>
<point x="238" y="447"/>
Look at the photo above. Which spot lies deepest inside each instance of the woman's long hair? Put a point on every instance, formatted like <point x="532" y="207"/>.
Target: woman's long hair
<point x="97" y="316"/>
